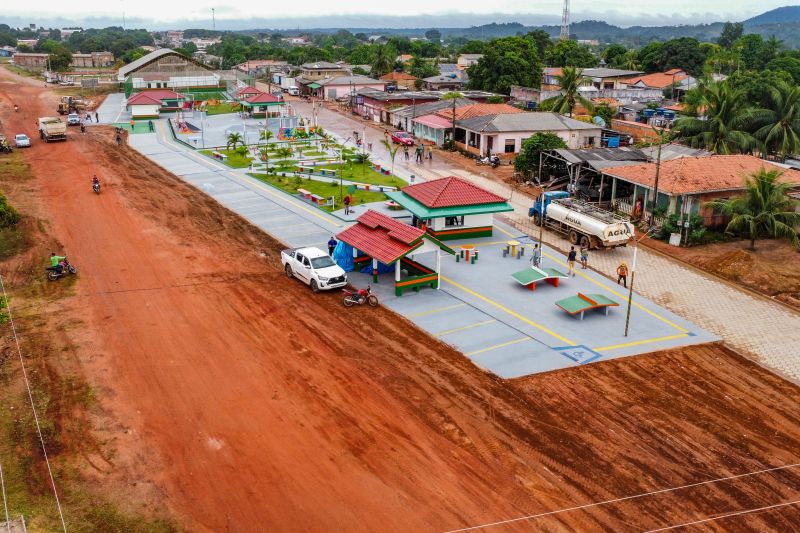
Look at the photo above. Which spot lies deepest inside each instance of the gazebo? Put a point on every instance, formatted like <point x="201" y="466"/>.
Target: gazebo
<point x="259" y="104"/>
<point x="376" y="238"/>
<point x="451" y="208"/>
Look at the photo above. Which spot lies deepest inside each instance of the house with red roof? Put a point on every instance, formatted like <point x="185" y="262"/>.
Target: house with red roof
<point x="377" y="238"/>
<point x="246" y="92"/>
<point x="261" y="105"/>
<point x="150" y="103"/>
<point x="686" y="184"/>
<point x="451" y="208"/>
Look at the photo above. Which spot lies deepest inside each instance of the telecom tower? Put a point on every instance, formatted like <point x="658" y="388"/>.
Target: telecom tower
<point x="565" y="22"/>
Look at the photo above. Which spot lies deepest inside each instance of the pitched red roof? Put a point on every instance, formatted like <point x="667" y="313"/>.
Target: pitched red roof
<point x="693" y="175"/>
<point x="163" y="94"/>
<point x="247" y="90"/>
<point x="382" y="237"/>
<point x="398" y="76"/>
<point x="449" y="192"/>
<point x="479" y="110"/>
<point x="262" y="98"/>
<point x="143" y="99"/>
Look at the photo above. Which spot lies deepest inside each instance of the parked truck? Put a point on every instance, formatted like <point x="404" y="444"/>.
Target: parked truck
<point x="52" y="129"/>
<point x="584" y="224"/>
<point x="314" y="268"/>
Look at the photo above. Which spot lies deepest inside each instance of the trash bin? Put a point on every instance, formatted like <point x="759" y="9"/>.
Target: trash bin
<point x="675" y="239"/>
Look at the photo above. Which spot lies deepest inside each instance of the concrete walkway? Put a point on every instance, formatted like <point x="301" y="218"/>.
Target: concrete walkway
<point x="767" y="331"/>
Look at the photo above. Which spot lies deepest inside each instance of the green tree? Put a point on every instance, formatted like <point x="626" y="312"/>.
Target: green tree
<point x="731" y="32"/>
<point x="453" y="97"/>
<point x="684" y="53"/>
<point x="392" y="148"/>
<point x="541" y="41"/>
<point x="787" y="64"/>
<point x="433" y="35"/>
<point x="604" y="111"/>
<point x="756" y="85"/>
<point x="421" y="68"/>
<point x="569" y="53"/>
<point x="382" y="60"/>
<point x="570" y="81"/>
<point x="753" y="51"/>
<point x="506" y="62"/>
<point x="9" y="216"/>
<point x="779" y="123"/>
<point x="234" y="139"/>
<point x="60" y="58"/>
<point x="528" y="158"/>
<point x="614" y="54"/>
<point x="765" y="209"/>
<point x="650" y="57"/>
<point x="725" y="129"/>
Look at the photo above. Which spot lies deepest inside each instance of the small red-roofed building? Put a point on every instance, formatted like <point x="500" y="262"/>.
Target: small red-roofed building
<point x="247" y="92"/>
<point x="258" y="105"/>
<point x="376" y="237"/>
<point x="452" y="207"/>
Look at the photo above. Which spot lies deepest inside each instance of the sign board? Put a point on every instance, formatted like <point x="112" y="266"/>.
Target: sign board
<point x="89" y="83"/>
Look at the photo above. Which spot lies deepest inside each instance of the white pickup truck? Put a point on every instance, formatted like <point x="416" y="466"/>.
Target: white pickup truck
<point x="314" y="267"/>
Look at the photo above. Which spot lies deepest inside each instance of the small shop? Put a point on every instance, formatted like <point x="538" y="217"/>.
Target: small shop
<point x="451" y="208"/>
<point x="381" y="244"/>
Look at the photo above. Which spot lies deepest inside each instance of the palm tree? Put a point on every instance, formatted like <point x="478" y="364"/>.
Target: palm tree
<point x="284" y="152"/>
<point x="454" y="96"/>
<point x="727" y="119"/>
<point x="570" y="80"/>
<point x="765" y="208"/>
<point x="382" y="63"/>
<point x="234" y="139"/>
<point x="392" y="152"/>
<point x="630" y="60"/>
<point x="780" y="123"/>
<point x="267" y="135"/>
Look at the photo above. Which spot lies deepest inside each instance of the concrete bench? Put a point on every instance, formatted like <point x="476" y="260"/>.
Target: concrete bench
<point x="531" y="276"/>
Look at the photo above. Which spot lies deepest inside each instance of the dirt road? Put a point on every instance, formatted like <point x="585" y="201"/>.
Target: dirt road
<point x="252" y="404"/>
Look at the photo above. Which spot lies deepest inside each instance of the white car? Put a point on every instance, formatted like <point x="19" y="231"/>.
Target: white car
<point x="314" y="267"/>
<point x="21" y="140"/>
<point x="73" y="119"/>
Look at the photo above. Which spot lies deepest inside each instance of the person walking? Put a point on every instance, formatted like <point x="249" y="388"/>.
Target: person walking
<point x="96" y="117"/>
<point x="331" y="246"/>
<point x="584" y="257"/>
<point x="151" y="126"/>
<point x="405" y="153"/>
<point x="83" y="128"/>
<point x="622" y="274"/>
<point x="536" y="257"/>
<point x="571" y="261"/>
<point x="419" y="152"/>
<point x="430" y="153"/>
<point x="346" y="202"/>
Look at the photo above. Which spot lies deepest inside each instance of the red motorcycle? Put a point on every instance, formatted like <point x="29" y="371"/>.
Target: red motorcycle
<point x="360" y="297"/>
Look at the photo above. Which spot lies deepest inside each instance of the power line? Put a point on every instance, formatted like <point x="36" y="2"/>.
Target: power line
<point x="624" y="498"/>
<point x="726" y="515"/>
<point x="33" y="405"/>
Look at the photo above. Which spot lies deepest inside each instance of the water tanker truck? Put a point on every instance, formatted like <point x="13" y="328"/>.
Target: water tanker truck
<point x="583" y="224"/>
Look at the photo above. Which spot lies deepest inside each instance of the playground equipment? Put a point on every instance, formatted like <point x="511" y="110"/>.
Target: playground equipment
<point x="577" y="305"/>
<point x="533" y="275"/>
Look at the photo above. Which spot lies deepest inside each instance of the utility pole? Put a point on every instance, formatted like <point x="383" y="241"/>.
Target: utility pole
<point x="123" y="14"/>
<point x="213" y="20"/>
<point x="661" y="137"/>
<point x="633" y="275"/>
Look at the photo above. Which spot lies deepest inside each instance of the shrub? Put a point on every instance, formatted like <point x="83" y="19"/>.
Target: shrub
<point x="9" y="216"/>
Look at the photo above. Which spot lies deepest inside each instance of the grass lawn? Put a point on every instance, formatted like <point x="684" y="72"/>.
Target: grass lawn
<point x="365" y="174"/>
<point x="205" y="96"/>
<point x="314" y="153"/>
<point x="325" y="189"/>
<point x="222" y="108"/>
<point x="284" y="165"/>
<point x="22" y="71"/>
<point x="234" y="160"/>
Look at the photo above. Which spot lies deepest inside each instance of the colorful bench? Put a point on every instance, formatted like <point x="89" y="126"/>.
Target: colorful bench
<point x="531" y="276"/>
<point x="575" y="305"/>
<point x="221" y="157"/>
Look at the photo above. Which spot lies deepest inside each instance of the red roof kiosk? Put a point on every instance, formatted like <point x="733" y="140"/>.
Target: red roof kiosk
<point x="377" y="237"/>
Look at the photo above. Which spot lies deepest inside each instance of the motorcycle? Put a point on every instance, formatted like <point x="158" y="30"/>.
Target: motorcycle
<point x="360" y="297"/>
<point x="53" y="273"/>
<point x="493" y="160"/>
<point x="96" y="187"/>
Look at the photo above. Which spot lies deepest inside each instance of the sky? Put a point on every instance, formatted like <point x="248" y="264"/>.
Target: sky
<point x="408" y="13"/>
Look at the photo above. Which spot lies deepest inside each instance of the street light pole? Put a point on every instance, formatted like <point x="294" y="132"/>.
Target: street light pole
<point x="633" y="276"/>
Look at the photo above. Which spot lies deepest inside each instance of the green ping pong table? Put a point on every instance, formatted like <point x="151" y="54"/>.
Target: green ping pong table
<point x="531" y="276"/>
<point x="575" y="305"/>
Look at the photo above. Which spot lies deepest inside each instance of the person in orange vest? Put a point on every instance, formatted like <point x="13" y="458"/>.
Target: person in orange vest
<point x="622" y="274"/>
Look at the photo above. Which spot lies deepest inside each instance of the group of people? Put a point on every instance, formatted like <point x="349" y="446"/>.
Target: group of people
<point x="419" y="154"/>
<point x="572" y="258"/>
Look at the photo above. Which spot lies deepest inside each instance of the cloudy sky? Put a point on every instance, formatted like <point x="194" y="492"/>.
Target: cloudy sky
<point x="156" y="14"/>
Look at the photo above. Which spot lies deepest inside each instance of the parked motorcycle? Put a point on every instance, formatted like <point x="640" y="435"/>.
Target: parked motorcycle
<point x="492" y="160"/>
<point x="360" y="297"/>
<point x="96" y="187"/>
<point x="53" y="272"/>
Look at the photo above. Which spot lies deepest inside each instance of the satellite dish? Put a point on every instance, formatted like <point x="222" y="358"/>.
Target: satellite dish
<point x="599" y="121"/>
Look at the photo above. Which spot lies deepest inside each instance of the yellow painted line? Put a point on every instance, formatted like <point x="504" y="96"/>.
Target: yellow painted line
<point x="504" y="231"/>
<point x="283" y="196"/>
<point x="623" y="296"/>
<point x="438" y="310"/>
<point x="462" y="328"/>
<point x="639" y="343"/>
<point x="501" y="345"/>
<point x="510" y="312"/>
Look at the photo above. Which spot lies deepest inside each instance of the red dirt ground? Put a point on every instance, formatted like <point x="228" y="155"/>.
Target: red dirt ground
<point x="252" y="404"/>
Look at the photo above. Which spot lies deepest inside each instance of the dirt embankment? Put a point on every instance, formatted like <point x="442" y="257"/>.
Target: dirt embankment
<point x="771" y="269"/>
<point x="244" y="402"/>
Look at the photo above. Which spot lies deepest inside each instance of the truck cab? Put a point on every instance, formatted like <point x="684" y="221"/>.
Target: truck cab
<point x="314" y="268"/>
<point x="539" y="207"/>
